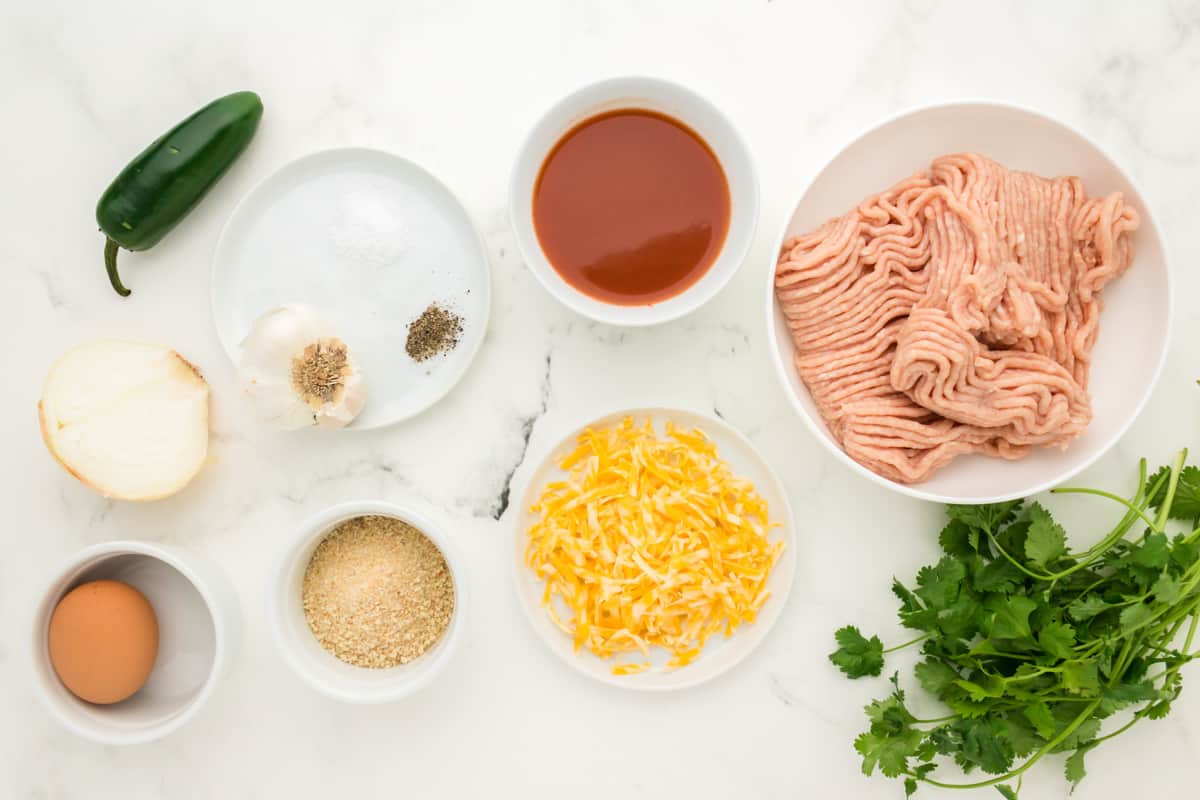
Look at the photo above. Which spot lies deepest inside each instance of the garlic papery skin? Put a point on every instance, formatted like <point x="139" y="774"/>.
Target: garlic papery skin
<point x="297" y="373"/>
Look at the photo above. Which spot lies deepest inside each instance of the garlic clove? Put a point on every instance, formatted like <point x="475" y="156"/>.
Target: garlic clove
<point x="278" y="336"/>
<point x="275" y="403"/>
<point x="297" y="374"/>
<point x="339" y="415"/>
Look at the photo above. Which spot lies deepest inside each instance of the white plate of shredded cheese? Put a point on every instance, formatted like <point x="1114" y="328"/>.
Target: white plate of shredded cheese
<point x="621" y="531"/>
<point x="369" y="240"/>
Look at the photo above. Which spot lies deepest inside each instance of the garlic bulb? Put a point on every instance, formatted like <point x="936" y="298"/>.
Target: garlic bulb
<point x="297" y="373"/>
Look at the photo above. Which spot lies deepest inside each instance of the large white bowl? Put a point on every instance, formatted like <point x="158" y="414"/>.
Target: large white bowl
<point x="1134" y="327"/>
<point x="674" y="101"/>
<point x="198" y="626"/>
<point x="719" y="654"/>
<point x="321" y="669"/>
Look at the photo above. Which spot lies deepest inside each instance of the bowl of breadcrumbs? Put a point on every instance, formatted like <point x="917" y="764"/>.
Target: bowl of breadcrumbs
<point x="368" y="602"/>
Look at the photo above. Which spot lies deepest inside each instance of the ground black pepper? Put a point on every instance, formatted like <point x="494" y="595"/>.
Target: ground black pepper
<point x="436" y="331"/>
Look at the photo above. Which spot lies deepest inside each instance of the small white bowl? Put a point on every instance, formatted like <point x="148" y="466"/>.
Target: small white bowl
<point x="1134" y="325"/>
<point x="321" y="669"/>
<point x="198" y="623"/>
<point x="666" y="98"/>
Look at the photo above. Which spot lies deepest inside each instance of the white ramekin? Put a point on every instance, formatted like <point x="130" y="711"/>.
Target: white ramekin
<point x="666" y="98"/>
<point x="321" y="669"/>
<point x="198" y="622"/>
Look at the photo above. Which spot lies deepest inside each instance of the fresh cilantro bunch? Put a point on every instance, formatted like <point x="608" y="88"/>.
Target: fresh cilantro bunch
<point x="1032" y="647"/>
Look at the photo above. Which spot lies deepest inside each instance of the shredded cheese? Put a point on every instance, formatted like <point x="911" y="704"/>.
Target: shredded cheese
<point x="650" y="542"/>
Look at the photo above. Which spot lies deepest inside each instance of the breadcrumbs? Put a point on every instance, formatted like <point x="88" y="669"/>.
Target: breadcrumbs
<point x="377" y="592"/>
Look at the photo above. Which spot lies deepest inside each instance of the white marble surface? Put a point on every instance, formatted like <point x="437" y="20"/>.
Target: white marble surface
<point x="454" y="84"/>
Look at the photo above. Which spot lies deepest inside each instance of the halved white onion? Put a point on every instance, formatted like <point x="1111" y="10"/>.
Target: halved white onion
<point x="129" y="419"/>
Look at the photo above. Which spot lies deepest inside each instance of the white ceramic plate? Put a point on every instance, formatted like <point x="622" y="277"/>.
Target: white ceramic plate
<point x="1134" y="327"/>
<point x="675" y="101"/>
<point x="369" y="239"/>
<point x="719" y="654"/>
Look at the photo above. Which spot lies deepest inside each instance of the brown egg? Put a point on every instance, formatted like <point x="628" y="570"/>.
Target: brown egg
<point x="103" y="641"/>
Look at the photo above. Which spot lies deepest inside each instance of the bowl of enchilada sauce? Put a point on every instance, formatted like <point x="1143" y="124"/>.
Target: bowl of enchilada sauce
<point x="633" y="201"/>
<point x="631" y="207"/>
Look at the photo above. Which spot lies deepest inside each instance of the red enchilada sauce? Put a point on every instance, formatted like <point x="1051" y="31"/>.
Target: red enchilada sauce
<point x="631" y="207"/>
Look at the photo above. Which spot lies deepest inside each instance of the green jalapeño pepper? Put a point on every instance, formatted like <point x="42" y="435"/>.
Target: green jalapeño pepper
<point x="166" y="181"/>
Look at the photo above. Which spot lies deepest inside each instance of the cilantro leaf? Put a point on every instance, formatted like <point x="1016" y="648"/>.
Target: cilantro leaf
<point x="1074" y="767"/>
<point x="1007" y="791"/>
<point x="890" y="712"/>
<point x="1153" y="552"/>
<point x="1159" y="710"/>
<point x="959" y="539"/>
<point x="1057" y="639"/>
<point x="891" y="740"/>
<point x="960" y="622"/>
<point x="1012" y="538"/>
<point x="1084" y="733"/>
<point x="1010" y="617"/>
<point x="985" y="745"/>
<point x="889" y="753"/>
<point x="967" y="708"/>
<point x="913" y="613"/>
<point x="1167" y="589"/>
<point x="934" y="676"/>
<point x="1022" y="736"/>
<point x="997" y="576"/>
<point x="1038" y="713"/>
<point x="1081" y="677"/>
<point x="857" y="656"/>
<point x="1186" y="503"/>
<point x="989" y="518"/>
<point x="1127" y="694"/>
<point x="1135" y="616"/>
<point x="980" y="692"/>
<point x="1087" y="607"/>
<point x="1045" y="540"/>
<point x="910" y="787"/>
<point x="939" y="585"/>
<point x="1184" y="553"/>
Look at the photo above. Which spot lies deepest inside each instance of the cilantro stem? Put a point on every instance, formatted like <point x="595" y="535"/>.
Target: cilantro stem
<point x="1163" y="646"/>
<point x="906" y="644"/>
<point x="1000" y="549"/>
<point x="1164" y="510"/>
<point x="1115" y="498"/>
<point x="1122" y="662"/>
<point x="1094" y="553"/>
<point x="1135" y="508"/>
<point x="1191" y="634"/>
<point x="1137" y="716"/>
<point x="935" y="720"/>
